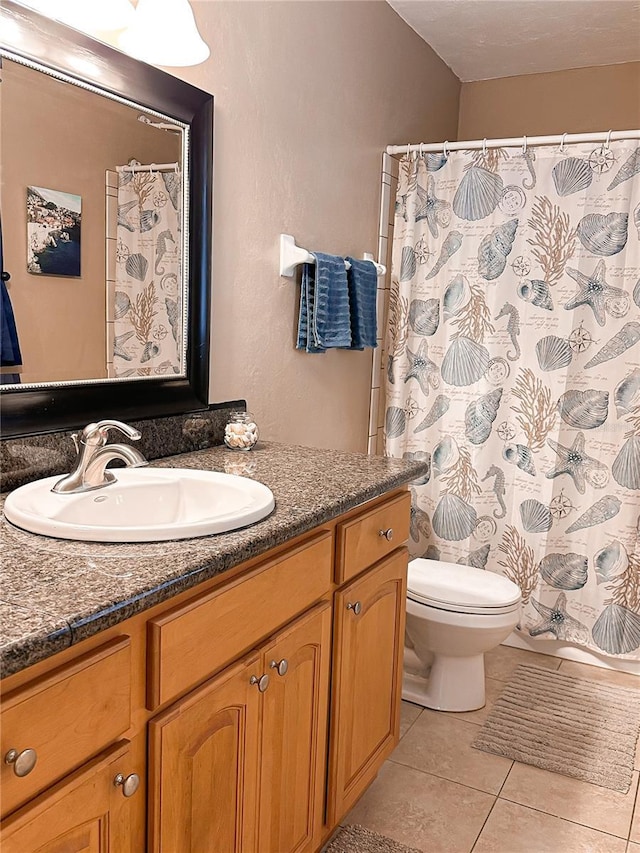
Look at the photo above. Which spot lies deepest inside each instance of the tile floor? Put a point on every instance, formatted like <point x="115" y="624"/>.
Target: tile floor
<point x="439" y="795"/>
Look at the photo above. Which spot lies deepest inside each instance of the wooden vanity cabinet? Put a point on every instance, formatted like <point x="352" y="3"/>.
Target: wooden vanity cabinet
<point x="369" y="617"/>
<point x="238" y="765"/>
<point x="255" y="709"/>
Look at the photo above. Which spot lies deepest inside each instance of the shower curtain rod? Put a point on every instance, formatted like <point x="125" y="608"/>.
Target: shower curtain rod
<point x="153" y="167"/>
<point x="563" y="139"/>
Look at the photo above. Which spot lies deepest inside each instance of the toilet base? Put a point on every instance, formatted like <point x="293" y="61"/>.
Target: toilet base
<point x="454" y="684"/>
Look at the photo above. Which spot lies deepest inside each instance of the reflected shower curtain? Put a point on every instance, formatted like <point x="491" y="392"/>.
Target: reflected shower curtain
<point x="513" y="366"/>
<point x="148" y="293"/>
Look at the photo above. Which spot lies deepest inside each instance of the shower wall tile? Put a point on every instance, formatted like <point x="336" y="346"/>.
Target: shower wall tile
<point x="111" y="260"/>
<point x="382" y="251"/>
<point x="111" y="213"/>
<point x="381" y="307"/>
<point x="110" y="306"/>
<point x="376" y="367"/>
<point x="373" y="411"/>
<point x="381" y="408"/>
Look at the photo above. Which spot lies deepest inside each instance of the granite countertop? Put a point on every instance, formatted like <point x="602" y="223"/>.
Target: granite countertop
<point x="56" y="592"/>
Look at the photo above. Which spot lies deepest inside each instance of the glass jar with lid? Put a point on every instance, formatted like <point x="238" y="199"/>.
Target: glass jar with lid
<point x="241" y="431"/>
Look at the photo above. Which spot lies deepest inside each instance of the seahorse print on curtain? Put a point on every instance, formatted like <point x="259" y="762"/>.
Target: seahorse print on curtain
<point x="148" y="291"/>
<point x="513" y="367"/>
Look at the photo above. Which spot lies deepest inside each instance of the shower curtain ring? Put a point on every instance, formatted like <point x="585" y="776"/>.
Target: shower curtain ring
<point x="408" y="150"/>
<point x="484" y="146"/>
<point x="445" y="149"/>
<point x="420" y="149"/>
<point x="524" y="144"/>
<point x="608" y="142"/>
<point x="564" y="136"/>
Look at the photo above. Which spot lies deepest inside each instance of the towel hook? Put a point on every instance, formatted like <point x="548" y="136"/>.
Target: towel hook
<point x="484" y="146"/>
<point x="562" y="148"/>
<point x="524" y="144"/>
<point x="445" y="149"/>
<point x="608" y="142"/>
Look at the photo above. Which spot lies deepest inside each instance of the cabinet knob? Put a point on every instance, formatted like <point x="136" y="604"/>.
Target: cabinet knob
<point x="386" y="534"/>
<point x="22" y="762"/>
<point x="262" y="682"/>
<point x="280" y="665"/>
<point x="129" y="784"/>
<point x="357" y="607"/>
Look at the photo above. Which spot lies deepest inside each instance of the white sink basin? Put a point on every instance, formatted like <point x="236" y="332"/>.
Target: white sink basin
<point x="144" y="505"/>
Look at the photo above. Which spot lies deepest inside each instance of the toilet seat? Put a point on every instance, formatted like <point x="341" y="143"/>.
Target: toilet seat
<point x="460" y="589"/>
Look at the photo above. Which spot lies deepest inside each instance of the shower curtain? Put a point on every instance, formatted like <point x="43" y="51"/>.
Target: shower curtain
<point x="513" y="367"/>
<point x="148" y="294"/>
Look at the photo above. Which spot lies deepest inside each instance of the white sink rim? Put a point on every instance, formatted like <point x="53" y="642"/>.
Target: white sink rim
<point x="25" y="506"/>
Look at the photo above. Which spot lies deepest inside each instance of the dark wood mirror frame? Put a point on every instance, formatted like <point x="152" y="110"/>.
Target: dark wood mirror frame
<point x="50" y="409"/>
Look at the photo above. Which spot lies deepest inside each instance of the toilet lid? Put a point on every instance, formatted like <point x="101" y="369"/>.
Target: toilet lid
<point x="451" y="586"/>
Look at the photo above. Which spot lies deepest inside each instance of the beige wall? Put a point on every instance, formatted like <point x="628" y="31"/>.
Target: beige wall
<point x="307" y="96"/>
<point x="64" y="138"/>
<point x="575" y="101"/>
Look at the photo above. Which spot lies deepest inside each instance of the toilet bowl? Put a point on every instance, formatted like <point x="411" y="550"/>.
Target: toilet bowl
<point x="454" y="615"/>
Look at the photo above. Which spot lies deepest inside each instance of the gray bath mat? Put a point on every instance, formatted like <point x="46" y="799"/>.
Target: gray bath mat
<point x="584" y="729"/>
<point x="357" y="839"/>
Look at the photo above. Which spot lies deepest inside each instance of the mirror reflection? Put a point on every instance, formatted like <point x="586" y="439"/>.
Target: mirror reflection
<point x="93" y="232"/>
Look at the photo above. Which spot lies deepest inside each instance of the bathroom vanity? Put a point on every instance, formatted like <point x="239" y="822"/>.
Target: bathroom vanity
<point x="229" y="693"/>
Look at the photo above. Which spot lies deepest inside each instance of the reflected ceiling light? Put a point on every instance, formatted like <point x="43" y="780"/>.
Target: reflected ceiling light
<point x="164" y="32"/>
<point x="89" y="16"/>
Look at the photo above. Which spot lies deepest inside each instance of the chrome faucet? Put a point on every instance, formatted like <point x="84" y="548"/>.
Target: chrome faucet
<point x="94" y="454"/>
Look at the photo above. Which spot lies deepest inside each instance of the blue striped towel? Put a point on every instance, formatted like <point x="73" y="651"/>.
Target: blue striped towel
<point x="363" y="291"/>
<point x="324" y="320"/>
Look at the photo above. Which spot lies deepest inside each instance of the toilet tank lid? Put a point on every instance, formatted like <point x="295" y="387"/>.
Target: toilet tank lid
<point x="451" y="583"/>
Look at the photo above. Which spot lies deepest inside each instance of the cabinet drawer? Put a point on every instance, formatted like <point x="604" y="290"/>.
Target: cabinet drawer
<point x="84" y="813"/>
<point x="368" y="537"/>
<point x="195" y="640"/>
<point x="65" y="717"/>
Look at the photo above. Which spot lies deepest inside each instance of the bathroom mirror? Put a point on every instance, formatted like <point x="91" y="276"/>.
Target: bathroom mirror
<point x="106" y="226"/>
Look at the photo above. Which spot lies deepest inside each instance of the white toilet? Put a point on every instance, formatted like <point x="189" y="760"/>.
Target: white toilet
<point x="454" y="615"/>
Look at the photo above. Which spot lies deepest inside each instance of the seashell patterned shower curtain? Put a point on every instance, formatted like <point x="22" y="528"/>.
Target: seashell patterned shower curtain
<point x="513" y="367"/>
<point x="147" y="307"/>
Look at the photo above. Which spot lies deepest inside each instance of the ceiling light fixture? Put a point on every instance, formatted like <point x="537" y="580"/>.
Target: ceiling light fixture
<point x="161" y="32"/>
<point x="89" y="16"/>
<point x="164" y="32"/>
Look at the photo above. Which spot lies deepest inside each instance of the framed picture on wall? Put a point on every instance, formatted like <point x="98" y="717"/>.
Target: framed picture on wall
<point x="53" y="232"/>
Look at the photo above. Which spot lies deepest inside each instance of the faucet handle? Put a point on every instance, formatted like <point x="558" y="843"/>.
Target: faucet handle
<point x="75" y="437"/>
<point x="96" y="434"/>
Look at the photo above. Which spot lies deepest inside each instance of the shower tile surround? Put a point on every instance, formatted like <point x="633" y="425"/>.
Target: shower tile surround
<point x="58" y="592"/>
<point x="390" y="166"/>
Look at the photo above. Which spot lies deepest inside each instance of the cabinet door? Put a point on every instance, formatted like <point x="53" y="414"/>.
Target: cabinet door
<point x="294" y="735"/>
<point x="203" y="767"/>
<point x="86" y="813"/>
<point x="367" y="679"/>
